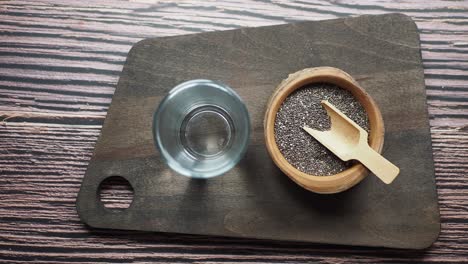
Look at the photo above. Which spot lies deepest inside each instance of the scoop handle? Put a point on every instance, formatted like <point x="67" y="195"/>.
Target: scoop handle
<point x="377" y="164"/>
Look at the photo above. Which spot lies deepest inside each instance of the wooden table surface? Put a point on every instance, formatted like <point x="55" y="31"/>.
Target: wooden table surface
<point x="59" y="65"/>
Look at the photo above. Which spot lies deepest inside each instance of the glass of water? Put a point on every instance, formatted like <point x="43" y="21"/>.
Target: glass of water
<point x="201" y="128"/>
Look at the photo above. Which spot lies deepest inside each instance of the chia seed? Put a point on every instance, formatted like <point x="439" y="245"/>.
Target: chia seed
<point x="303" y="107"/>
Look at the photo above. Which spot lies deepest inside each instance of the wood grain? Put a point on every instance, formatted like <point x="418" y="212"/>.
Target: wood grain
<point x="59" y="64"/>
<point x="255" y="199"/>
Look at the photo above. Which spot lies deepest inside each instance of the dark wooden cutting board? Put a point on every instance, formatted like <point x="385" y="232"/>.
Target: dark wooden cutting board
<point x="255" y="199"/>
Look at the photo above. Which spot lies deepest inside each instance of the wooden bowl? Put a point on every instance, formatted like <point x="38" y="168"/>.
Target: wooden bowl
<point x="347" y="178"/>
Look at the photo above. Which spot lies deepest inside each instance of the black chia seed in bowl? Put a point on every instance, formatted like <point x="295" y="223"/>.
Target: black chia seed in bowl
<point x="303" y="107"/>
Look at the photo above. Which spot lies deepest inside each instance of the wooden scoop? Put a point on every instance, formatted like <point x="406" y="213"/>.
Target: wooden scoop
<point x="348" y="141"/>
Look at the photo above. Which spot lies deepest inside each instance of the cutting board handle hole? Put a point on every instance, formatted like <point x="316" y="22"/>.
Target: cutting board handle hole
<point x="116" y="193"/>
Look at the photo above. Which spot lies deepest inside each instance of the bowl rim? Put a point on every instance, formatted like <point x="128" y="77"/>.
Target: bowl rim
<point x="347" y="178"/>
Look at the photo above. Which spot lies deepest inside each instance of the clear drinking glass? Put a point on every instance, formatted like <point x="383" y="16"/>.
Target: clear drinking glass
<point x="201" y="128"/>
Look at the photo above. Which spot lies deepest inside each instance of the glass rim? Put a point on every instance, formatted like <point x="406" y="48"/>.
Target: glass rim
<point x="169" y="159"/>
